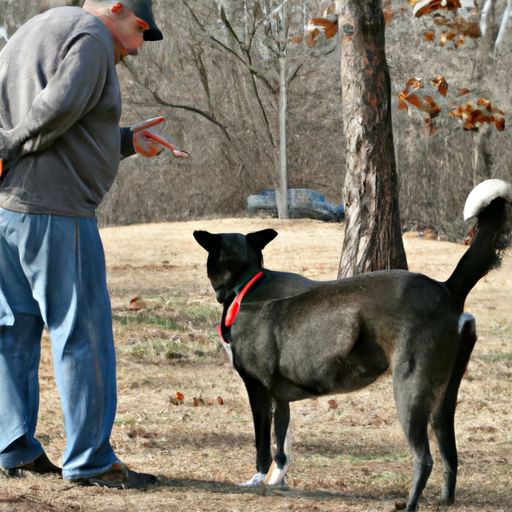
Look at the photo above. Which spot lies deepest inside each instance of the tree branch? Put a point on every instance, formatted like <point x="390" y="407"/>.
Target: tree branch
<point x="159" y="100"/>
<point x="228" y="26"/>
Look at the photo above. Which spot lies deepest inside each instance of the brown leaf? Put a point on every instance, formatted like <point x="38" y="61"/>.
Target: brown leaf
<point x="402" y="105"/>
<point x="461" y="41"/>
<point x="429" y="126"/>
<point x="487" y="104"/>
<point x="296" y="39"/>
<point x="415" y="101"/>
<point x="414" y="83"/>
<point x="429" y="36"/>
<point x="311" y="40"/>
<point x="388" y="12"/>
<point x="499" y="123"/>
<point x="198" y="401"/>
<point x="331" y="32"/>
<point x="432" y="107"/>
<point x="136" y="304"/>
<point x="439" y="19"/>
<point x="323" y="23"/>
<point x="332" y="403"/>
<point x="440" y="82"/>
<point x="436" y="5"/>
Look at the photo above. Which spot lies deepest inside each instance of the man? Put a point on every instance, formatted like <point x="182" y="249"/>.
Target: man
<point x="60" y="146"/>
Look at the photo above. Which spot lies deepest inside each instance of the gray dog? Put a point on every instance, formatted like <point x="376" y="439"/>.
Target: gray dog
<point x="294" y="338"/>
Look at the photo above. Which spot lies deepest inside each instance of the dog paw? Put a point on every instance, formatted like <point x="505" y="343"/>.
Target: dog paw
<point x="257" y="479"/>
<point x="276" y="477"/>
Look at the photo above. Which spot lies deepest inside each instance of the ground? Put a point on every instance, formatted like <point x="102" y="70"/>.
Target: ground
<point x="348" y="456"/>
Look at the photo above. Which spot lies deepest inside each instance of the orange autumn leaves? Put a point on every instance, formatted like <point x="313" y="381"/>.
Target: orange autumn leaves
<point x="422" y="7"/>
<point x="428" y="105"/>
<point x="455" y="29"/>
<point x="198" y="401"/>
<point x="326" y="24"/>
<point x="473" y="116"/>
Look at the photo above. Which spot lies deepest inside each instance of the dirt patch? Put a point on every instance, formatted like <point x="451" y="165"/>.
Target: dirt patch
<point x="352" y="458"/>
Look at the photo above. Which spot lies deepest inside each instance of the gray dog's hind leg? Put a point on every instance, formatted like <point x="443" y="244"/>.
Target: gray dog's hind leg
<point x="443" y="421"/>
<point x="417" y="435"/>
<point x="413" y="397"/>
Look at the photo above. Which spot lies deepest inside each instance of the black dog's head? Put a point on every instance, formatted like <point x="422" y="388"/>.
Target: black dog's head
<point x="232" y="257"/>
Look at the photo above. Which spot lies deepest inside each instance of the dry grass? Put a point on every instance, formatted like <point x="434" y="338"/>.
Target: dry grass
<point x="353" y="458"/>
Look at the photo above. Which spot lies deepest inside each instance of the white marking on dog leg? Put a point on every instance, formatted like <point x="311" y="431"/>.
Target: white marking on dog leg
<point x="257" y="479"/>
<point x="227" y="347"/>
<point x="275" y="475"/>
<point x="288" y="444"/>
<point x="467" y="318"/>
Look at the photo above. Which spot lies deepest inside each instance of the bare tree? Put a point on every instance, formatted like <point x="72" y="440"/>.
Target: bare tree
<point x="266" y="23"/>
<point x="280" y="16"/>
<point x="373" y="238"/>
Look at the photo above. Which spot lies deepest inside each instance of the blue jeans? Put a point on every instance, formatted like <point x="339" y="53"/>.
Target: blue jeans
<point x="52" y="272"/>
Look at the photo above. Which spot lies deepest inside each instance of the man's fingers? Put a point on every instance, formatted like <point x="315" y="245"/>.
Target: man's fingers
<point x="179" y="154"/>
<point x="147" y="124"/>
<point x="175" y="151"/>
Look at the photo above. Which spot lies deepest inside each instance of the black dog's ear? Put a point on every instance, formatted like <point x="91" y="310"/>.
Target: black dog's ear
<point x="260" y="239"/>
<point x="207" y="240"/>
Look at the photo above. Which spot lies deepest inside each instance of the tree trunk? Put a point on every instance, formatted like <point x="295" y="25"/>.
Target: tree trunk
<point x="282" y="192"/>
<point x="373" y="237"/>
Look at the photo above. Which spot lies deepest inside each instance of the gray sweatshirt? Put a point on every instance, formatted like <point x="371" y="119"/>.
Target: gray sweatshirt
<point x="58" y="78"/>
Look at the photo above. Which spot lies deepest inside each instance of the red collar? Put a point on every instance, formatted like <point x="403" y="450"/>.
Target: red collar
<point x="235" y="306"/>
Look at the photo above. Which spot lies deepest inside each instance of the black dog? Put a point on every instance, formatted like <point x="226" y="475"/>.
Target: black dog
<point x="295" y="338"/>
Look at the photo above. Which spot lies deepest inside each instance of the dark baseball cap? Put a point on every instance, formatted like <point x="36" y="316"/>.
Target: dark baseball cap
<point x="143" y="9"/>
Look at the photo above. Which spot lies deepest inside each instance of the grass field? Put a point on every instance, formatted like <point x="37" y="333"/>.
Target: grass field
<point x="350" y="458"/>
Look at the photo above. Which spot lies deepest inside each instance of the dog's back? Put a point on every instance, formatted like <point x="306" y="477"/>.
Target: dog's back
<point x="350" y="332"/>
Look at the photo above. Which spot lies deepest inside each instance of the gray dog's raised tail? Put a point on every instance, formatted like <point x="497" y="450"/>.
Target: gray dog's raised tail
<point x="491" y="203"/>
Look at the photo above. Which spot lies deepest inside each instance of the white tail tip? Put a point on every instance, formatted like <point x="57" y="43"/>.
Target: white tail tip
<point x="482" y="195"/>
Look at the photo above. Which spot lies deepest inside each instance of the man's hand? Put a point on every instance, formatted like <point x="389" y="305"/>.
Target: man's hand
<point x="149" y="144"/>
<point x="155" y="139"/>
<point x="8" y="148"/>
<point x="145" y="145"/>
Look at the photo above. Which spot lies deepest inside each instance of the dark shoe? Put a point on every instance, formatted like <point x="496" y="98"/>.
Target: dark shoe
<point x="120" y="477"/>
<point x="41" y="464"/>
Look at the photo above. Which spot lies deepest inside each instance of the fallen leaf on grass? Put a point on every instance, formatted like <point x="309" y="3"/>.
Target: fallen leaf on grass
<point x="198" y="400"/>
<point x="178" y="398"/>
<point x="136" y="304"/>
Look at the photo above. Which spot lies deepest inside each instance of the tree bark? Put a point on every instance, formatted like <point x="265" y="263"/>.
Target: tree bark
<point x="373" y="237"/>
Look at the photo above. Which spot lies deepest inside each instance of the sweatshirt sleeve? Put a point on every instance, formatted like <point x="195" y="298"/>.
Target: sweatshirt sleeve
<point x="127" y="147"/>
<point x="73" y="90"/>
